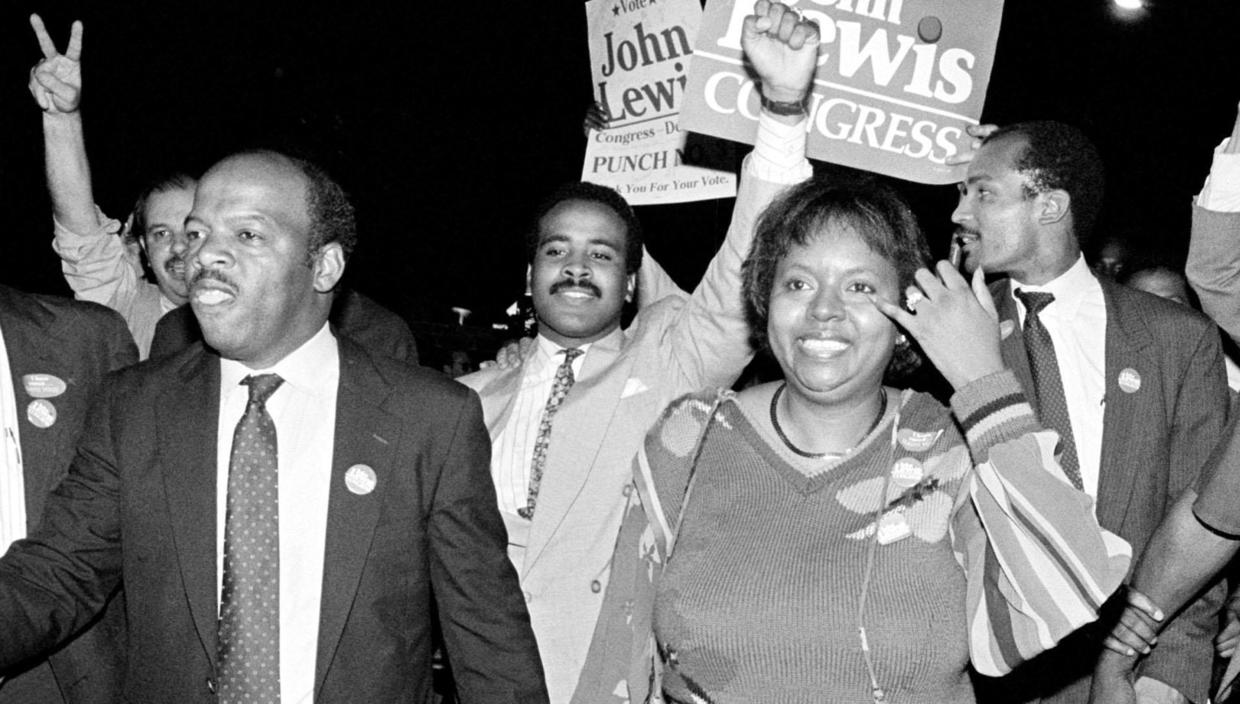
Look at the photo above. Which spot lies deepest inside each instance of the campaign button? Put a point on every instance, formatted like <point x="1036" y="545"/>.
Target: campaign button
<point x="43" y="385"/>
<point x="360" y="479"/>
<point x="906" y="472"/>
<point x="41" y="413"/>
<point x="1129" y="380"/>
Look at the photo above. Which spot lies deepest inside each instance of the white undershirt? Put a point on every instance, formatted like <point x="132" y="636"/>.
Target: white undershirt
<point x="304" y="412"/>
<point x="1077" y="323"/>
<point x="12" y="481"/>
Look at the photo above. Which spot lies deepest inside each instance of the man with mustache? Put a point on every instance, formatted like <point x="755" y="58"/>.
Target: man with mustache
<point x="1134" y="384"/>
<point x="98" y="264"/>
<point x="566" y="423"/>
<point x="103" y="268"/>
<point x="281" y="505"/>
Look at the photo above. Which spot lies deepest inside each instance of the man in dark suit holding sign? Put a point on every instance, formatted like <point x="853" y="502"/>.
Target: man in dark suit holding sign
<point x="281" y="511"/>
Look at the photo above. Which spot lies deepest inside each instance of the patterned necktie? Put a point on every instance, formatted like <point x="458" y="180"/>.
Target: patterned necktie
<point x="563" y="382"/>
<point x="1048" y="385"/>
<point x="249" y="628"/>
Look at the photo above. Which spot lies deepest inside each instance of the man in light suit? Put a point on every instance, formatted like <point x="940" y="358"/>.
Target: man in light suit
<point x="384" y="498"/>
<point x="58" y="352"/>
<point x="584" y="254"/>
<point x="1142" y="378"/>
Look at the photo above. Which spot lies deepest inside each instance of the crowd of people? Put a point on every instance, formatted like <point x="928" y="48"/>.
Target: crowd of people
<point x="599" y="517"/>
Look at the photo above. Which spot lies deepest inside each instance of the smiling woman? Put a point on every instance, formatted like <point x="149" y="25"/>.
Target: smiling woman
<point x="824" y="538"/>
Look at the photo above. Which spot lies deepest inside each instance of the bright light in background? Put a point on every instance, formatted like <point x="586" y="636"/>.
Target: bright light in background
<point x="1130" y="4"/>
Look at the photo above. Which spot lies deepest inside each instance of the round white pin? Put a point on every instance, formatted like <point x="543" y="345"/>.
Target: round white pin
<point x="360" y="479"/>
<point x="41" y="413"/>
<point x="906" y="472"/>
<point x="1129" y="380"/>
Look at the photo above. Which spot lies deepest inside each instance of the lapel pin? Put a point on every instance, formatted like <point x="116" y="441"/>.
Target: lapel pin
<point x="1006" y="328"/>
<point x="893" y="526"/>
<point x="906" y="472"/>
<point x="43" y="385"/>
<point x="360" y="479"/>
<point x="41" y="413"/>
<point x="1129" y="380"/>
<point x="916" y="441"/>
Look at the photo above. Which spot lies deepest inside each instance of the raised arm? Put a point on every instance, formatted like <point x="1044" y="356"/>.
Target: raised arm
<point x="56" y="84"/>
<point x="1213" y="266"/>
<point x="710" y="339"/>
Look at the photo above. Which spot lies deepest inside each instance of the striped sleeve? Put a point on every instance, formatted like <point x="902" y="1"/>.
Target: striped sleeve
<point x="1038" y="564"/>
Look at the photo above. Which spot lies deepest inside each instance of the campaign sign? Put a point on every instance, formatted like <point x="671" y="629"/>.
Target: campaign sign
<point x="896" y="85"/>
<point x="640" y="52"/>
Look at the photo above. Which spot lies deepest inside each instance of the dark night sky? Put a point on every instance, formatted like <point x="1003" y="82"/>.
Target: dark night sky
<point x="448" y="122"/>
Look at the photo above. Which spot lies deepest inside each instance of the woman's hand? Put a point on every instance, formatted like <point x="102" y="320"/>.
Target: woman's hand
<point x="953" y="321"/>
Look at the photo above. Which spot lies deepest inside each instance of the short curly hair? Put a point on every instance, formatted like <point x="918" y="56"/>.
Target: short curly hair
<point x="1058" y="156"/>
<point x="591" y="193"/>
<point x="872" y="208"/>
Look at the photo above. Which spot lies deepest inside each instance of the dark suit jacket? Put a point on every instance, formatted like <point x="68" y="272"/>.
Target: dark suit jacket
<point x="371" y="325"/>
<point x="139" y="503"/>
<point x="1155" y="442"/>
<point x="79" y="343"/>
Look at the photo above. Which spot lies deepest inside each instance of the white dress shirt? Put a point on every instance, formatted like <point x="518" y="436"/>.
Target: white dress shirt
<point x="12" y="480"/>
<point x="514" y="446"/>
<point x="1077" y="323"/>
<point x="304" y="411"/>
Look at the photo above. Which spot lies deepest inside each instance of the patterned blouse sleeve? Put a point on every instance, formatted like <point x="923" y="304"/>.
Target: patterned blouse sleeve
<point x="1038" y="565"/>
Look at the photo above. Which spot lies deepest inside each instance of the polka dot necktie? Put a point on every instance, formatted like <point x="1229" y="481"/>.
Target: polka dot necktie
<point x="1048" y="385"/>
<point x="249" y="628"/>
<point x="559" y="389"/>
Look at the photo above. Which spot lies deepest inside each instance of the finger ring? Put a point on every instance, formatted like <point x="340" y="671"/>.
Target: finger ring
<point x="913" y="299"/>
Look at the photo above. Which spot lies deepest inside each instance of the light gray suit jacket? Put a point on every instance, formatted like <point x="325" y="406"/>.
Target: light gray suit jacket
<point x="676" y="344"/>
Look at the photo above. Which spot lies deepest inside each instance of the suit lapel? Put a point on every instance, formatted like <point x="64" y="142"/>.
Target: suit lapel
<point x="365" y="435"/>
<point x="188" y="450"/>
<point x="1122" y="448"/>
<point x="577" y="436"/>
<point x="497" y="397"/>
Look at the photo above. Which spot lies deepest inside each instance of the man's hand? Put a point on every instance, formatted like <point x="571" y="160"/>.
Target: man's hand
<point x="596" y="118"/>
<point x="954" y="321"/>
<point x="511" y="355"/>
<point x="56" y="81"/>
<point x="979" y="133"/>
<point x="782" y="48"/>
<point x="1137" y="630"/>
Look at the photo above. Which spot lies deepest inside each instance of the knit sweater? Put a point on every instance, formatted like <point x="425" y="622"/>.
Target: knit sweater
<point x="760" y="601"/>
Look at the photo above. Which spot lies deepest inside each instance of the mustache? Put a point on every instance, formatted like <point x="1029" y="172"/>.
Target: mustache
<point x="579" y="285"/>
<point x="202" y="274"/>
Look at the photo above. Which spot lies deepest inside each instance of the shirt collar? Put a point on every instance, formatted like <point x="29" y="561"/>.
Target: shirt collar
<point x="1069" y="288"/>
<point x="307" y="368"/>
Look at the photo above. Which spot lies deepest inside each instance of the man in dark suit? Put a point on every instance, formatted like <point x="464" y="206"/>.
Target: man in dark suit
<point x="1134" y="384"/>
<point x="58" y="352"/>
<point x="315" y="587"/>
